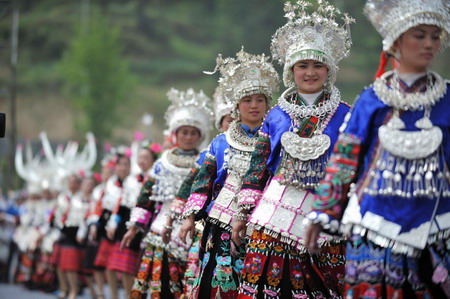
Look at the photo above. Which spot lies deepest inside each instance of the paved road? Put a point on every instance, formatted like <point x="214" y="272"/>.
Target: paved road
<point x="15" y="291"/>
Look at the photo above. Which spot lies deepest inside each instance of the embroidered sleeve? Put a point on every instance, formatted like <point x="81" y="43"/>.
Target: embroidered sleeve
<point x="98" y="211"/>
<point x="256" y="177"/>
<point x="139" y="217"/>
<point x="202" y="187"/>
<point x="143" y="200"/>
<point x="141" y="214"/>
<point x="333" y="189"/>
<point x="351" y="153"/>
<point x="182" y="196"/>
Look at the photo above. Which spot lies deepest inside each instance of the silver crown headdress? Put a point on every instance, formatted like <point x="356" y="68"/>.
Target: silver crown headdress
<point x="245" y="75"/>
<point x="189" y="108"/>
<point x="391" y="18"/>
<point x="315" y="36"/>
<point x="48" y="171"/>
<point x="69" y="160"/>
<point x="33" y="170"/>
<point x="221" y="106"/>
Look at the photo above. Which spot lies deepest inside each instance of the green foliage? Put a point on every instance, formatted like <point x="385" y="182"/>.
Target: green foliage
<point x="96" y="76"/>
<point x="165" y="43"/>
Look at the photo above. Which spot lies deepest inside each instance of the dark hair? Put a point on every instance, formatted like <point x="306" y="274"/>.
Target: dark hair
<point x="120" y="156"/>
<point x="152" y="153"/>
<point x="198" y="130"/>
<point x="154" y="148"/>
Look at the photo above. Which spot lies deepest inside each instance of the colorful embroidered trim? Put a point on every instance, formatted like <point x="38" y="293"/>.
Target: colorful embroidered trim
<point x="194" y="204"/>
<point x="248" y="198"/>
<point x="177" y="207"/>
<point x="140" y="215"/>
<point x="340" y="171"/>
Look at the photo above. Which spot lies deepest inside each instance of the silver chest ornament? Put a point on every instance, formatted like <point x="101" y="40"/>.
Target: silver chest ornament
<point x="410" y="144"/>
<point x="237" y="161"/>
<point x="304" y="159"/>
<point x="305" y="149"/>
<point x="171" y="175"/>
<point x="410" y="163"/>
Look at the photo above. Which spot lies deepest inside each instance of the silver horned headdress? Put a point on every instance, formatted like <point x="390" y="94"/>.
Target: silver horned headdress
<point x="189" y="108"/>
<point x="49" y="170"/>
<point x="316" y="36"/>
<point x="245" y="75"/>
<point x="391" y="18"/>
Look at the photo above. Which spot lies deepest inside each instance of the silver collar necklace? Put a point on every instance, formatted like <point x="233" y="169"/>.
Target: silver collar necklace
<point x="301" y="111"/>
<point x="238" y="139"/>
<point x="395" y="97"/>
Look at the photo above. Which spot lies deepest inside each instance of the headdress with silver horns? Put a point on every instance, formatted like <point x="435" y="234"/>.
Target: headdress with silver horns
<point x="391" y="18"/>
<point x="245" y="75"/>
<point x="315" y="36"/>
<point x="51" y="169"/>
<point x="189" y="108"/>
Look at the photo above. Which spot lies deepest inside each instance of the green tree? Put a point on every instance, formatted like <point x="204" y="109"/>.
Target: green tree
<point x="96" y="76"/>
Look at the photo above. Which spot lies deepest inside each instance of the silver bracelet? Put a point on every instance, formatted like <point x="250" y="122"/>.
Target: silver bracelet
<point x="240" y="217"/>
<point x="167" y="226"/>
<point x="129" y="224"/>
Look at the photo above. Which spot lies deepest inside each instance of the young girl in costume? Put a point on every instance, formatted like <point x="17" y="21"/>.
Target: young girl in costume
<point x="222" y="115"/>
<point x="289" y="161"/>
<point x="68" y="216"/>
<point x="95" y="237"/>
<point x="88" y="183"/>
<point x="105" y="197"/>
<point x="122" y="260"/>
<point x="247" y="83"/>
<point x="387" y="182"/>
<point x="162" y="265"/>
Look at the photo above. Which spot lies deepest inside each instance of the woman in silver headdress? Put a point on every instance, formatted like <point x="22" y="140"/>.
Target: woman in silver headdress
<point x="162" y="265"/>
<point x="96" y="233"/>
<point x="68" y="216"/>
<point x="387" y="182"/>
<point x="222" y="116"/>
<point x="289" y="161"/>
<point x="247" y="84"/>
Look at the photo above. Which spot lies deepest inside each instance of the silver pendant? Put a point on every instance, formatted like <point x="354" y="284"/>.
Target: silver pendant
<point x="410" y="144"/>
<point x="305" y="149"/>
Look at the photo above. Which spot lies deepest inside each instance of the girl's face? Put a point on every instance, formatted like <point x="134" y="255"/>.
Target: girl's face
<point x="107" y="172"/>
<point x="310" y="76"/>
<point x="417" y="48"/>
<point x="145" y="159"/>
<point x="225" y="123"/>
<point x="252" y="109"/>
<point x="188" y="137"/>
<point x="73" y="184"/>
<point x="87" y="186"/>
<point x="123" y="167"/>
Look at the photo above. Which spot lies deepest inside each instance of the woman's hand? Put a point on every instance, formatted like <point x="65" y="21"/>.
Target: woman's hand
<point x="188" y="227"/>
<point x="128" y="237"/>
<point x="80" y="240"/>
<point x="238" y="231"/>
<point x="167" y="230"/>
<point x="110" y="232"/>
<point x="92" y="233"/>
<point x="312" y="234"/>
